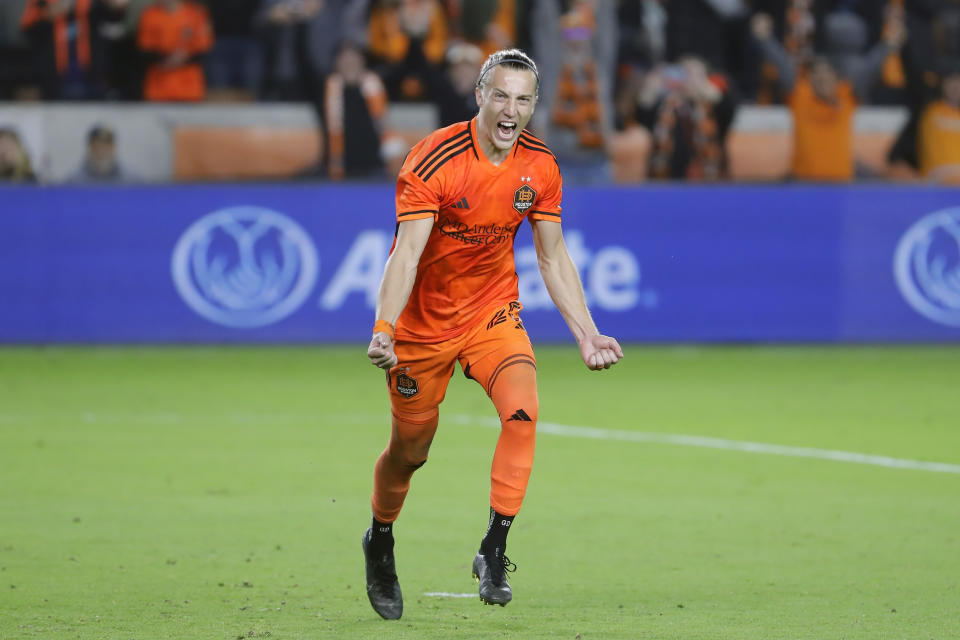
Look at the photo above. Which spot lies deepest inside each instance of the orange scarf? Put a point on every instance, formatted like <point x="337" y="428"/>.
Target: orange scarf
<point x="577" y="104"/>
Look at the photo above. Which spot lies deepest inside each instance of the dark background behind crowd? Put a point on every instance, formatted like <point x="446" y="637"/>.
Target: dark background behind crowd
<point x="678" y="69"/>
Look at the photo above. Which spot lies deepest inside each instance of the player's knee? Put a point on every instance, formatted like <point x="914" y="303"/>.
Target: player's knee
<point x="408" y="454"/>
<point x="414" y="462"/>
<point x="411" y="439"/>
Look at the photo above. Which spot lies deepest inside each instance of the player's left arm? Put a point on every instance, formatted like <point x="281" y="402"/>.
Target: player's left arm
<point x="563" y="283"/>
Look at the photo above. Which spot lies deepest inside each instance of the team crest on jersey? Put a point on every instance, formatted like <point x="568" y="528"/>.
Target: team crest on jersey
<point x="407" y="386"/>
<point x="523" y="198"/>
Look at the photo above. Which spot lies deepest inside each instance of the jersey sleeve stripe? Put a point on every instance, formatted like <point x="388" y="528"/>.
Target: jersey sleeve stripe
<point x="545" y="213"/>
<point x="449" y="142"/>
<point x="442" y="162"/>
<point x="410" y="213"/>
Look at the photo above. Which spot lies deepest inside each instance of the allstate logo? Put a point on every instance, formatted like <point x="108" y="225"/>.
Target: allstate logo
<point x="244" y="266"/>
<point x="927" y="266"/>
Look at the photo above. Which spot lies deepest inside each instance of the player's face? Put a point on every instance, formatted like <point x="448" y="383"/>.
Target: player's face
<point x="506" y="105"/>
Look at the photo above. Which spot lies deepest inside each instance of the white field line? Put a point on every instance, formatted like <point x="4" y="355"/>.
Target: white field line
<point x="552" y="428"/>
<point x="446" y="594"/>
<point x="595" y="433"/>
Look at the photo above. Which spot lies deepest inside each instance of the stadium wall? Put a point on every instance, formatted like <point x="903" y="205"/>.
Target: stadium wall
<point x="277" y="264"/>
<point x="271" y="141"/>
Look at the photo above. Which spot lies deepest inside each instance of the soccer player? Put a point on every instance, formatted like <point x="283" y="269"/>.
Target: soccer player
<point x="449" y="294"/>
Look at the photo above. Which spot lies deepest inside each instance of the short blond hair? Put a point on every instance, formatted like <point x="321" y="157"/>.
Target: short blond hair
<point x="511" y="59"/>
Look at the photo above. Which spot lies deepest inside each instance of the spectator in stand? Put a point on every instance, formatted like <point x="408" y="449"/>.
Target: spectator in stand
<point x="870" y="12"/>
<point x="642" y="32"/>
<point x="794" y="26"/>
<point x="577" y="104"/>
<point x="453" y="90"/>
<point x="891" y="89"/>
<point x="688" y="112"/>
<point x="290" y="72"/>
<point x="821" y="100"/>
<point x="934" y="27"/>
<point x="355" y="115"/>
<point x="938" y="140"/>
<point x="234" y="66"/>
<point x="14" y="159"/>
<point x="115" y="59"/>
<point x="576" y="52"/>
<point x="396" y="26"/>
<point x="100" y="164"/>
<point x="491" y="25"/>
<point x="60" y="35"/>
<point x="641" y="47"/>
<point x="175" y="35"/>
<point x="300" y="40"/>
<point x="17" y="79"/>
<point x="716" y="31"/>
<point x="800" y="27"/>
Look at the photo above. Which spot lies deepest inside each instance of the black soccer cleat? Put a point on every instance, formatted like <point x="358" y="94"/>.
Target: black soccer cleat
<point x="383" y="588"/>
<point x="491" y="569"/>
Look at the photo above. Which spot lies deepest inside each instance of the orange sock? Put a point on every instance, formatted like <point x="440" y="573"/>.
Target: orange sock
<point x="406" y="452"/>
<point x="514" y="394"/>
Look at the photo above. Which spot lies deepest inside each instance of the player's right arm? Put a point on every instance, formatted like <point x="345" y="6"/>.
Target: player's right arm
<point x="397" y="284"/>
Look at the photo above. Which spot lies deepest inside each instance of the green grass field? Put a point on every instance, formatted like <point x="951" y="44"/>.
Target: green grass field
<point x="222" y="492"/>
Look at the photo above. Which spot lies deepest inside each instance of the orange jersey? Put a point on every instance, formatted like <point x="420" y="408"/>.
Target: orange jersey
<point x="187" y="29"/>
<point x="477" y="208"/>
<point x="822" y="133"/>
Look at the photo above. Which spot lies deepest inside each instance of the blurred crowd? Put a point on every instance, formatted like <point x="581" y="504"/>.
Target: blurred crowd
<point x="676" y="69"/>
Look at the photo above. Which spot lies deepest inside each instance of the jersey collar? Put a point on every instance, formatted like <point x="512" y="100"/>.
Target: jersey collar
<point x="481" y="154"/>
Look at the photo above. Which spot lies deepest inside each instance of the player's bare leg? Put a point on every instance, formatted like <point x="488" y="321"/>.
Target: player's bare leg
<point x="406" y="452"/>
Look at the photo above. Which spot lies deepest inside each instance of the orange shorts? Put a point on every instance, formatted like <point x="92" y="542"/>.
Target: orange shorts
<point x="418" y="383"/>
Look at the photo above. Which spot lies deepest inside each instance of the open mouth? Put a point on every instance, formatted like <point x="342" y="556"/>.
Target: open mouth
<point x="505" y="130"/>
